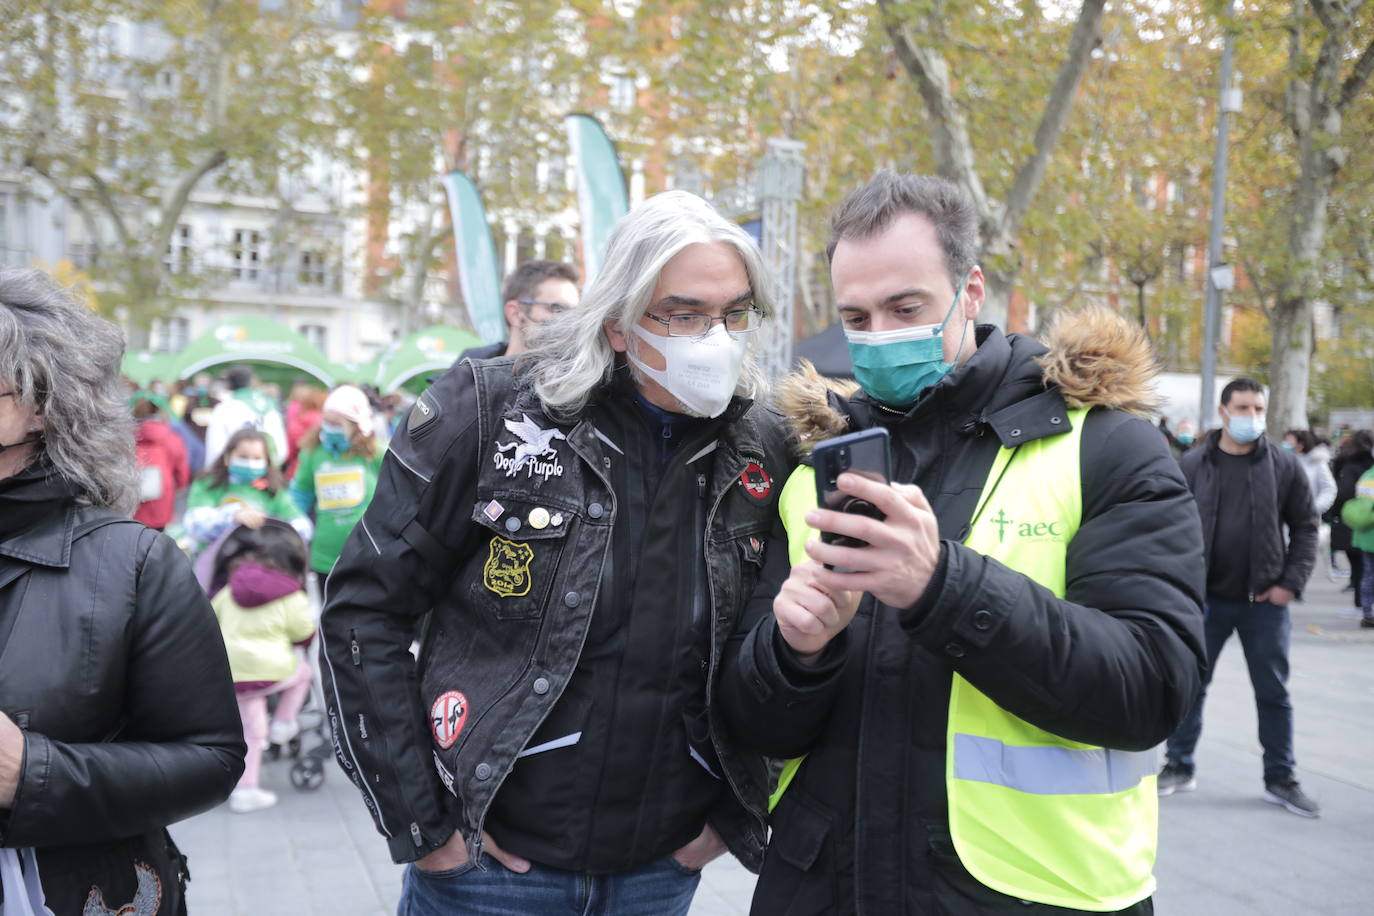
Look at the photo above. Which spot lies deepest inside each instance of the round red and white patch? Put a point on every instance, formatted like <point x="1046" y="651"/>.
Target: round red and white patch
<point x="447" y="717"/>
<point x="756" y="481"/>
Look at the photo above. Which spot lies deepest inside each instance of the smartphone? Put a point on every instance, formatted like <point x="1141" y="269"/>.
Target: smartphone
<point x="866" y="453"/>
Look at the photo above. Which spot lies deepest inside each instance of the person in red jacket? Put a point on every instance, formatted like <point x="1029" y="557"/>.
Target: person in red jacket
<point x="302" y="416"/>
<point x="163" y="468"/>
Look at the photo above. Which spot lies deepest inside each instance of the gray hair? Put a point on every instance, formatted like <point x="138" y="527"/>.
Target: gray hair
<point x="570" y="357"/>
<point x="871" y="208"/>
<point x="64" y="362"/>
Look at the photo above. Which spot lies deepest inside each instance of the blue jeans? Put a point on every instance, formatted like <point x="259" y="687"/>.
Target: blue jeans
<point x="1364" y="589"/>
<point x="662" y="888"/>
<point x="1264" y="630"/>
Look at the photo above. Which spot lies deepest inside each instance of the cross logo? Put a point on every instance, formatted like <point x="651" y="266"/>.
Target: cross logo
<point x="1001" y="521"/>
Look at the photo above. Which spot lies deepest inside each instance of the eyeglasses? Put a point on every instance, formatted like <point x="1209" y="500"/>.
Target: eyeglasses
<point x="739" y="321"/>
<point x="555" y="308"/>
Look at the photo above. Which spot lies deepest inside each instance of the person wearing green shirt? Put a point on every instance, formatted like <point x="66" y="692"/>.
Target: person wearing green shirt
<point x="1358" y="514"/>
<point x="337" y="472"/>
<point x="243" y="488"/>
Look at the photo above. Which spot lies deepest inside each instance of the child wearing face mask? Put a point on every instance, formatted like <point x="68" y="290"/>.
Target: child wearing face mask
<point x="337" y="473"/>
<point x="243" y="488"/>
<point x="265" y="618"/>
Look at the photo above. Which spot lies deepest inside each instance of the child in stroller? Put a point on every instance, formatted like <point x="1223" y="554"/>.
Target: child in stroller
<point x="256" y="585"/>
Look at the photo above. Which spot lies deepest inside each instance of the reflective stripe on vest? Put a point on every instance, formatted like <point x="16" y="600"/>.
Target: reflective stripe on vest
<point x="1050" y="770"/>
<point x="1031" y="814"/>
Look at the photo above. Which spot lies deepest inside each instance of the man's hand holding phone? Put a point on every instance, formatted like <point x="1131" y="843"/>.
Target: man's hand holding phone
<point x="903" y="550"/>
<point x="809" y="615"/>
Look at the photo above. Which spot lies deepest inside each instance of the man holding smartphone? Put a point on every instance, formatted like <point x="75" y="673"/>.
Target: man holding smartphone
<point x="970" y="704"/>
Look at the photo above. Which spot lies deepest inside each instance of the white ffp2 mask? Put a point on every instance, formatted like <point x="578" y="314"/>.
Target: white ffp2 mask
<point x="702" y="372"/>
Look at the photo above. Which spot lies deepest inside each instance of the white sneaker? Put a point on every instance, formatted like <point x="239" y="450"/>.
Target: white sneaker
<point x="281" y="733"/>
<point x="248" y="800"/>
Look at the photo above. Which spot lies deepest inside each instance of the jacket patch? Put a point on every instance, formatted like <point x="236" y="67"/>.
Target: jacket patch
<point x="533" y="450"/>
<point x="425" y="412"/>
<point x="756" y="481"/>
<point x="147" y="898"/>
<point x="447" y="717"/>
<point x="444" y="775"/>
<point x="507" y="571"/>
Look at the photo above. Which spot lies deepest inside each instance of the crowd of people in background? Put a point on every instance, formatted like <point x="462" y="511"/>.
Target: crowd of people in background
<point x="1335" y="463"/>
<point x="263" y="495"/>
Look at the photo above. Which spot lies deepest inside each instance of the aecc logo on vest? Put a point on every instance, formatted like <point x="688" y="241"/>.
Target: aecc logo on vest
<point x="1028" y="531"/>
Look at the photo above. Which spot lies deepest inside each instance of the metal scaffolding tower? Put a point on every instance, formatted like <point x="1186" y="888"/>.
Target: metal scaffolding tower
<point x="780" y="188"/>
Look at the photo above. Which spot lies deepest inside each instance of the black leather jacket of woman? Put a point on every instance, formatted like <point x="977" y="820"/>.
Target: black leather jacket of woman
<point x="112" y="664"/>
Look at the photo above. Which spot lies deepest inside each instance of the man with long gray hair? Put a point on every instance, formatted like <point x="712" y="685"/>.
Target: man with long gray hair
<point x="583" y="528"/>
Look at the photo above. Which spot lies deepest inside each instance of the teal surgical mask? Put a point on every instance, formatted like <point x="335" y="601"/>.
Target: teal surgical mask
<point x="334" y="439"/>
<point x="246" y="472"/>
<point x="896" y="366"/>
<point x="1245" y="429"/>
<point x="1185" y="438"/>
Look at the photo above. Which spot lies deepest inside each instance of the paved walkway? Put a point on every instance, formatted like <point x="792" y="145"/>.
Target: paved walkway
<point x="1223" y="851"/>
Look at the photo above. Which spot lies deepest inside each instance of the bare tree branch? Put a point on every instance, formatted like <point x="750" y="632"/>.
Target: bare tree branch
<point x="1329" y="11"/>
<point x="1055" y="115"/>
<point x="108" y="203"/>
<point x="1357" y="78"/>
<point x="953" y="149"/>
<point x="180" y="192"/>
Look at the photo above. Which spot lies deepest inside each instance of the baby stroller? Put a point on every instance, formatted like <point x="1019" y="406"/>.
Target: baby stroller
<point x="312" y="744"/>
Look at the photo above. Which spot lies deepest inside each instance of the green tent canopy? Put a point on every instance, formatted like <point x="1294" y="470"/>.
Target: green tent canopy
<point x="144" y="367"/>
<point x="253" y="339"/>
<point x="426" y="351"/>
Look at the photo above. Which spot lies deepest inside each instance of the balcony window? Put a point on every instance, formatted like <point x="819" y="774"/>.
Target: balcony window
<point x="247" y="254"/>
<point x="312" y="269"/>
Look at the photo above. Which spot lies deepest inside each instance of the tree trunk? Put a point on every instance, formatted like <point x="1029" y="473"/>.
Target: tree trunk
<point x="1316" y="100"/>
<point x="1290" y="364"/>
<point x="1000" y="274"/>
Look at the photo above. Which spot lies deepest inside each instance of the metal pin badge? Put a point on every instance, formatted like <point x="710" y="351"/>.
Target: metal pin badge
<point x="539" y="518"/>
<point x="557" y="519"/>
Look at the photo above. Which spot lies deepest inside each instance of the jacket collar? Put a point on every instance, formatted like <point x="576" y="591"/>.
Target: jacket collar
<point x="48" y="543"/>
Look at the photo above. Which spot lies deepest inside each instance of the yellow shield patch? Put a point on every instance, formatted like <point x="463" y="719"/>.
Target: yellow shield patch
<point x="507" y="572"/>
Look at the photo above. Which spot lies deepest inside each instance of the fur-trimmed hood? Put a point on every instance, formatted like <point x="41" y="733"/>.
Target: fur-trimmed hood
<point x="1093" y="358"/>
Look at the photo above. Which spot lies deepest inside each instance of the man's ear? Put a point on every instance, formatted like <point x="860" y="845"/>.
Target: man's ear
<point x="515" y="318"/>
<point x="975" y="293"/>
<point x="616" y="337"/>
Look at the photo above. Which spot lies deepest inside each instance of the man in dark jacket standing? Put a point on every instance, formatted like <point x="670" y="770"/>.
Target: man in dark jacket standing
<point x="978" y="693"/>
<point x="1247" y="493"/>
<point x="584" y="527"/>
<point x="535" y="292"/>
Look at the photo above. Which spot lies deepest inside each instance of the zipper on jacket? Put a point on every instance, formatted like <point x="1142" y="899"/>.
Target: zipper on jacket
<point x="699" y="566"/>
<point x="759" y="816"/>
<point x="356" y="651"/>
<point x="415" y="835"/>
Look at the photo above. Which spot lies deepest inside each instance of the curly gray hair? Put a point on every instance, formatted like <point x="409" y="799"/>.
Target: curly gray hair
<point x="569" y="356"/>
<point x="64" y="362"/>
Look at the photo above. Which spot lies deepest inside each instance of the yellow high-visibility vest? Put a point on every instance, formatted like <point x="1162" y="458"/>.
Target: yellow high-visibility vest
<point x="1031" y="814"/>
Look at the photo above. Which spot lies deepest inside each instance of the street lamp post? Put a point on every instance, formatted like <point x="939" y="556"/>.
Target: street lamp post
<point x="780" y="187"/>
<point x="1219" y="275"/>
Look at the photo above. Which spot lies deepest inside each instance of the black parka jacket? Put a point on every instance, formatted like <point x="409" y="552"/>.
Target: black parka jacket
<point x="112" y="663"/>
<point x="449" y="532"/>
<point x="1279" y="497"/>
<point x="863" y="827"/>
